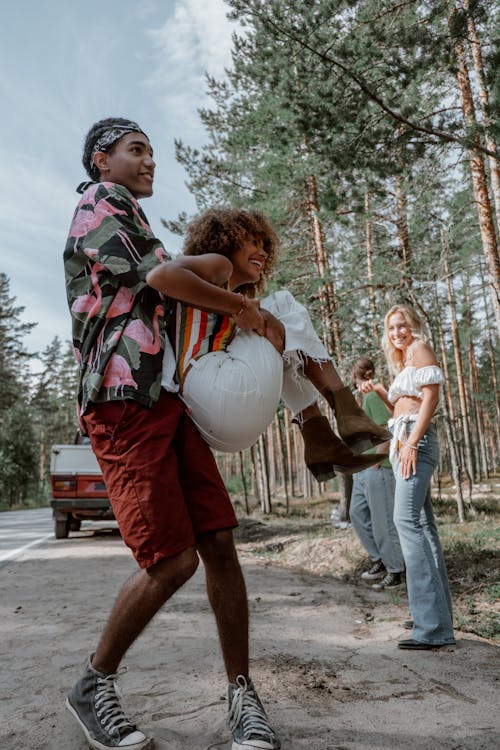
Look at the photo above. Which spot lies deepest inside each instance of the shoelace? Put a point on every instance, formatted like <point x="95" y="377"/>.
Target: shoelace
<point x="246" y="708"/>
<point x="107" y="705"/>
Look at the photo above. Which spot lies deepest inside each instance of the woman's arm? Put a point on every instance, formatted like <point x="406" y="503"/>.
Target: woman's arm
<point x="366" y="386"/>
<point x="198" y="281"/>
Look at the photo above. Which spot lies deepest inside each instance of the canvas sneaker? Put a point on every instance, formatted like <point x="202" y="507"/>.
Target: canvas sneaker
<point x="377" y="570"/>
<point x="390" y="581"/>
<point x="247" y="719"/>
<point x="95" y="705"/>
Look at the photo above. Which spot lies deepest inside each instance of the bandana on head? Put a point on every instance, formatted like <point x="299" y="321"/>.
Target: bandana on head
<point x="113" y="134"/>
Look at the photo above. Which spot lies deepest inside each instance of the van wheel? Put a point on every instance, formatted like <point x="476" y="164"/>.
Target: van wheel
<point x="75" y="524"/>
<point x="61" y="527"/>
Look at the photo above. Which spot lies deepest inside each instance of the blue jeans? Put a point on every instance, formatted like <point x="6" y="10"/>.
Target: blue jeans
<point x="426" y="578"/>
<point x="371" y="511"/>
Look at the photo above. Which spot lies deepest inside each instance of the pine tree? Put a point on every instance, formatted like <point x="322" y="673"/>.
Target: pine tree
<point x="13" y="354"/>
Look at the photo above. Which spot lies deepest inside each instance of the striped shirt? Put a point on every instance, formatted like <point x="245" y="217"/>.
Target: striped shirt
<point x="197" y="333"/>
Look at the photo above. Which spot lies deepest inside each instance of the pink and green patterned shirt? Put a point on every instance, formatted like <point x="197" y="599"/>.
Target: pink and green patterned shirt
<point x="118" y="321"/>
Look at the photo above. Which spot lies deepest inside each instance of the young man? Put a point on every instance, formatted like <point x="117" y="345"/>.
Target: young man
<point x="167" y="495"/>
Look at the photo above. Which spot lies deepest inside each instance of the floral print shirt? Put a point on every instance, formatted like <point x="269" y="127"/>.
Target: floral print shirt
<point x="118" y="321"/>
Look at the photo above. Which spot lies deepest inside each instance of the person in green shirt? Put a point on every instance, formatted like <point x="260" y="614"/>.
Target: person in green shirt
<point x="372" y="499"/>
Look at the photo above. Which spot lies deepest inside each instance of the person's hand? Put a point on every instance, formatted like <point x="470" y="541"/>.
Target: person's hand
<point x="250" y="318"/>
<point x="408" y="460"/>
<point x="365" y="386"/>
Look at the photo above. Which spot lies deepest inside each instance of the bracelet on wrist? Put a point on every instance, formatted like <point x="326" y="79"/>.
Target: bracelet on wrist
<point x="412" y="447"/>
<point x="243" y="305"/>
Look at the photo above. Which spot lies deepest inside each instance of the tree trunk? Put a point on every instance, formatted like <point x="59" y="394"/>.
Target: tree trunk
<point x="345" y="489"/>
<point x="478" y="174"/>
<point x="493" y="367"/>
<point x="244" y="482"/>
<point x="271" y="461"/>
<point x="449" y="419"/>
<point x="254" y="454"/>
<point x="460" y="370"/>
<point x="403" y="231"/>
<point x="292" y="466"/>
<point x="264" y="467"/>
<point x="327" y="294"/>
<point x="474" y="387"/>
<point x="369" y="271"/>
<point x="284" y="455"/>
<point x="491" y="145"/>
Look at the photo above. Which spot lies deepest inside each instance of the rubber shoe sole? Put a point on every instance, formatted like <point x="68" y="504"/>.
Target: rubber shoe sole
<point x="413" y="645"/>
<point x="254" y="745"/>
<point x="146" y="744"/>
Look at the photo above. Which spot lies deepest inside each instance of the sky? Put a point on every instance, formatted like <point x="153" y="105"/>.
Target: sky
<point x="67" y="64"/>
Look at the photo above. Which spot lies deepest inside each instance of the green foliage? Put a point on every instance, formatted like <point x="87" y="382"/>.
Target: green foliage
<point x="13" y="355"/>
<point x="36" y="410"/>
<point x="18" y="454"/>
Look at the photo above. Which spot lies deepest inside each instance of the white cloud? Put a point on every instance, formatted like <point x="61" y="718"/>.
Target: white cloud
<point x="35" y="213"/>
<point x="195" y="40"/>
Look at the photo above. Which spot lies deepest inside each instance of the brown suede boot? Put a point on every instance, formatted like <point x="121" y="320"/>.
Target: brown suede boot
<point x="354" y="426"/>
<point x="326" y="453"/>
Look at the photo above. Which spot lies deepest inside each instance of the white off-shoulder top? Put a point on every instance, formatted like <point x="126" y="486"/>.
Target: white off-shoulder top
<point x="410" y="380"/>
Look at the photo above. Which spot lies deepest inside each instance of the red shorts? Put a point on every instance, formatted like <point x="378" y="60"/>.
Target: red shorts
<point x="161" y="476"/>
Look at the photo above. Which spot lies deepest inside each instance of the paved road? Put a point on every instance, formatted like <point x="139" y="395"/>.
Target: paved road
<point x="22" y="529"/>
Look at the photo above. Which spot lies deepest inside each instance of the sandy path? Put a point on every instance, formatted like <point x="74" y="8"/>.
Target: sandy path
<point x="324" y="659"/>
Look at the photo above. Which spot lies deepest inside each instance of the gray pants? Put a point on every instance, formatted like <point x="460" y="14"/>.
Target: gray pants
<point x="372" y="511"/>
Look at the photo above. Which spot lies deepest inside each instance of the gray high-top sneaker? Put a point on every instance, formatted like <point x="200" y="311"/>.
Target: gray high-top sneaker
<point x="95" y="705"/>
<point x="247" y="719"/>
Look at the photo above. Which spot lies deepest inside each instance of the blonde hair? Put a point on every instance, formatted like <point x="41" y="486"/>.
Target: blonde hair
<point x="395" y="358"/>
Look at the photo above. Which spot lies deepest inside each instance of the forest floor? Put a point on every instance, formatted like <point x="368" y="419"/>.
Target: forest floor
<point x="305" y="539"/>
<point x="323" y="644"/>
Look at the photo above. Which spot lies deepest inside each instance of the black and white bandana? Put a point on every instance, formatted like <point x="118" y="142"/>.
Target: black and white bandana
<point x="113" y="134"/>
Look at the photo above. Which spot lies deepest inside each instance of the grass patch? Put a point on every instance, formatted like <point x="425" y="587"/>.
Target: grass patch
<point x="472" y="552"/>
<point x="305" y="539"/>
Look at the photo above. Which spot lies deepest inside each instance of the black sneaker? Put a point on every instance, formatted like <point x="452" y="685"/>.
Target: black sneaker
<point x="377" y="570"/>
<point x="94" y="704"/>
<point x="390" y="581"/>
<point x="247" y="719"/>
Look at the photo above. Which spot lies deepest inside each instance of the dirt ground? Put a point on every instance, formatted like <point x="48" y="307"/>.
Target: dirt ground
<point x="324" y="654"/>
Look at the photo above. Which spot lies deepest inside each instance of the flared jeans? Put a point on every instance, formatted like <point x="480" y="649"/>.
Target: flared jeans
<point x="426" y="578"/>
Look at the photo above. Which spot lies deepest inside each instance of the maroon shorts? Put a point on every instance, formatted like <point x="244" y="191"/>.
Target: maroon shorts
<point x="161" y="476"/>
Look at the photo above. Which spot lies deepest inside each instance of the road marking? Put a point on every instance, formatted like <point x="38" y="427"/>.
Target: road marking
<point x="20" y="550"/>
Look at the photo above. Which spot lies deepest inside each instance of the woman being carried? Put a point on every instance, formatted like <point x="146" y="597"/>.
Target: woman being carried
<point x="232" y="380"/>
<point x="413" y="398"/>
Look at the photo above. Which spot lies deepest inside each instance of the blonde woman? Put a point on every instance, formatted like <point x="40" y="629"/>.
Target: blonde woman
<point x="413" y="398"/>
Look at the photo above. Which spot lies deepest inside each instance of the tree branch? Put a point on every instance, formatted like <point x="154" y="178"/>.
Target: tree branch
<point x="442" y="135"/>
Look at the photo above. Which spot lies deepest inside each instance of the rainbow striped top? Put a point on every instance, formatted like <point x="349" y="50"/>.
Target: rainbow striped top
<point x="197" y="333"/>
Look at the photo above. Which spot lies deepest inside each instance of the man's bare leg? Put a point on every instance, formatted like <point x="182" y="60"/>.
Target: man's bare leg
<point x="247" y="718"/>
<point x="228" y="597"/>
<point x="138" y="601"/>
